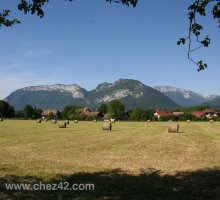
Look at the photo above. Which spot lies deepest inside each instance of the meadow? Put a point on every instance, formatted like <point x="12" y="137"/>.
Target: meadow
<point x="136" y="160"/>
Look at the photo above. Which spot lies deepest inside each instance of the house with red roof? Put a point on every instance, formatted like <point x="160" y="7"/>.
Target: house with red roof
<point x="207" y="113"/>
<point x="162" y="113"/>
<point x="46" y="112"/>
<point x="87" y="112"/>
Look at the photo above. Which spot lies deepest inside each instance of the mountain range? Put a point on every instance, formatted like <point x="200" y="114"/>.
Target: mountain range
<point x="132" y="93"/>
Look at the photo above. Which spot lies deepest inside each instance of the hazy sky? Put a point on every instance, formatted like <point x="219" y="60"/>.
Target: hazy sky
<point x="89" y="42"/>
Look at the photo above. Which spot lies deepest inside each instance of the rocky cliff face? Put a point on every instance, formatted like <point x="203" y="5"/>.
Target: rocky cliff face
<point x="181" y="96"/>
<point x="75" y="90"/>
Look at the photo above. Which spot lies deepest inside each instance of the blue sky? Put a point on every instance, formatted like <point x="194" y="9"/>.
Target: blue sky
<point x="89" y="42"/>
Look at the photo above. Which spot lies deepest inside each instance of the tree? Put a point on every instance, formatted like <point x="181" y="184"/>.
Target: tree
<point x="6" y="110"/>
<point x="19" y="114"/>
<point x="103" y="108"/>
<point x="78" y="112"/>
<point x="65" y="112"/>
<point x="199" y="7"/>
<point x="138" y="115"/>
<point x="70" y="112"/>
<point x="29" y="112"/>
<point x="116" y="109"/>
<point x="37" y="113"/>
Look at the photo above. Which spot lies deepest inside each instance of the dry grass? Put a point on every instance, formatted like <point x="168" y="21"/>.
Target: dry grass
<point x="28" y="149"/>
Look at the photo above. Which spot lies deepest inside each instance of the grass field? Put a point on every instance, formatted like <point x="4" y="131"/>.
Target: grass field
<point x="136" y="160"/>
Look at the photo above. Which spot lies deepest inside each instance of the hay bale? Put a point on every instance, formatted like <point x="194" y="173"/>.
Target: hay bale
<point x="148" y="121"/>
<point x="170" y="120"/>
<point x="173" y="128"/>
<point x="1" y="119"/>
<point x="62" y="124"/>
<point x="188" y="121"/>
<point x="38" y="120"/>
<point x="67" y="121"/>
<point x="112" y="120"/>
<point x="107" y="125"/>
<point x="76" y="121"/>
<point x="211" y="121"/>
<point x="95" y="120"/>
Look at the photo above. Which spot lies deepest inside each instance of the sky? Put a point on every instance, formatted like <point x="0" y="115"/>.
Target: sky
<point x="89" y="42"/>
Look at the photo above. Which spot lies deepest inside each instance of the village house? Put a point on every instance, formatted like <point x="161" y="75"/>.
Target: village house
<point x="178" y="113"/>
<point x="162" y="113"/>
<point x="46" y="112"/>
<point x="88" y="112"/>
<point x="207" y="113"/>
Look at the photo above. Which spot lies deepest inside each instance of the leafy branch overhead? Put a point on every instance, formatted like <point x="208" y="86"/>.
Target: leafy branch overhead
<point x="199" y="8"/>
<point x="36" y="7"/>
<point x="5" y="21"/>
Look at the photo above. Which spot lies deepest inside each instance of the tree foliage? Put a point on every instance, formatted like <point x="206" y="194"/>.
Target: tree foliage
<point x="37" y="7"/>
<point x="138" y="115"/>
<point x="29" y="112"/>
<point x="103" y="108"/>
<point x="199" y="8"/>
<point x="116" y="109"/>
<point x="5" y="21"/>
<point x="6" y="110"/>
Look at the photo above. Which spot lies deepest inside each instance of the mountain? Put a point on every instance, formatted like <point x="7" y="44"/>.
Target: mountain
<point x="181" y="96"/>
<point x="214" y="103"/>
<point x="53" y="96"/>
<point x="131" y="92"/>
<point x="212" y="97"/>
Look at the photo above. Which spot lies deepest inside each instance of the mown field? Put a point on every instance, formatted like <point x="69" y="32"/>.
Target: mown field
<point x="136" y="160"/>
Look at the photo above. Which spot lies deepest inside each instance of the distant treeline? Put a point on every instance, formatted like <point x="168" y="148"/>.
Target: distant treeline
<point x="115" y="109"/>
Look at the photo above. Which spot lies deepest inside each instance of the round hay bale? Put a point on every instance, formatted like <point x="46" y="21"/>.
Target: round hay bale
<point x="170" y="120"/>
<point x="39" y="121"/>
<point x="173" y="128"/>
<point x="211" y="121"/>
<point x="1" y="119"/>
<point x="76" y="121"/>
<point x="188" y="121"/>
<point x="67" y="121"/>
<point x="148" y="121"/>
<point x="112" y="120"/>
<point x="107" y="125"/>
<point x="62" y="124"/>
<point x="95" y="120"/>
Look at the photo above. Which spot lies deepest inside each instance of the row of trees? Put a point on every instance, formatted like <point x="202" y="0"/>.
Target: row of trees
<point x="115" y="109"/>
<point x="28" y="112"/>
